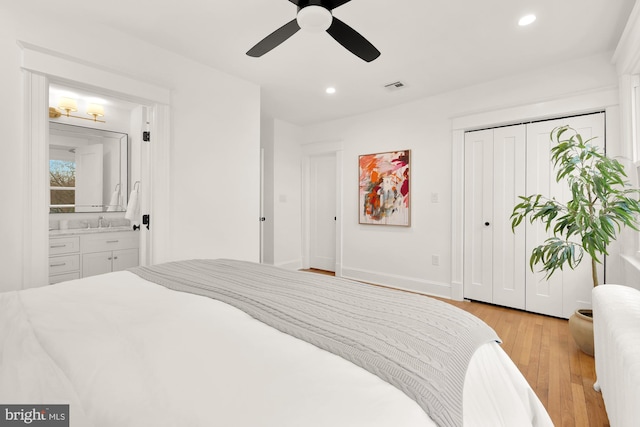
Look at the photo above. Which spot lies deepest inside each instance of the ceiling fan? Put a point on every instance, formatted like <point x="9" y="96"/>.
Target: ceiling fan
<point x="315" y="15"/>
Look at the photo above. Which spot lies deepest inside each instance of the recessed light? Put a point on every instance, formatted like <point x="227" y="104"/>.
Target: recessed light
<point x="526" y="20"/>
<point x="330" y="90"/>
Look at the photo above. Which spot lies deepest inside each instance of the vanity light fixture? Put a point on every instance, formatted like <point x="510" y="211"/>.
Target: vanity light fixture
<point x="70" y="105"/>
<point x="96" y="111"/>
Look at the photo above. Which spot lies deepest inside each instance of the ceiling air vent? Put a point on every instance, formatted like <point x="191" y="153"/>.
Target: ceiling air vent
<point x="394" y="86"/>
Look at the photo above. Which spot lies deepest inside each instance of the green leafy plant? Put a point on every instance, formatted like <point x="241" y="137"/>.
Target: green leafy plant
<point x="601" y="203"/>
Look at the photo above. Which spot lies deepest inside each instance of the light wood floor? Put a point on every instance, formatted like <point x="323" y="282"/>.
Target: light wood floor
<point x="561" y="375"/>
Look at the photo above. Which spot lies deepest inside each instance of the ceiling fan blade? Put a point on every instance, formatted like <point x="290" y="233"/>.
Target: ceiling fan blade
<point x="352" y="40"/>
<point x="327" y="4"/>
<point x="332" y="4"/>
<point x="274" y="39"/>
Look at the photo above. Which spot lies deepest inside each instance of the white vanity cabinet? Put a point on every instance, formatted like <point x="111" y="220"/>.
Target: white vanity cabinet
<point x="72" y="256"/>
<point x="107" y="252"/>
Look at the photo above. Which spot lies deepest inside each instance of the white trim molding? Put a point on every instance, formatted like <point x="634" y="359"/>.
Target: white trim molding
<point x="35" y="241"/>
<point x="65" y="68"/>
<point x="627" y="54"/>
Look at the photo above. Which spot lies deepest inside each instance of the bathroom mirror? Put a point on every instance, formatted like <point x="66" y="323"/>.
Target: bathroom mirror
<point x="88" y="169"/>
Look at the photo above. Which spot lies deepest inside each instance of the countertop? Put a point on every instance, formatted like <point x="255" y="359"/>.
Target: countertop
<point x="76" y="231"/>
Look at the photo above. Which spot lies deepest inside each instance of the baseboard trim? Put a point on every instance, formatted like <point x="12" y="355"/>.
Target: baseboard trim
<point x="404" y="283"/>
<point x="290" y="265"/>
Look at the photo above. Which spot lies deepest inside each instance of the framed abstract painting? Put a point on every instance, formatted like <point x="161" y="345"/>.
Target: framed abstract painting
<point x="384" y="188"/>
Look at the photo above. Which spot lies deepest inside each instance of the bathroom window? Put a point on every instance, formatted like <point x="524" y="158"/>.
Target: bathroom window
<point x="62" y="185"/>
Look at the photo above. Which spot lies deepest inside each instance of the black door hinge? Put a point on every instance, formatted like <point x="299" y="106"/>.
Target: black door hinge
<point x="146" y="136"/>
<point x="146" y="220"/>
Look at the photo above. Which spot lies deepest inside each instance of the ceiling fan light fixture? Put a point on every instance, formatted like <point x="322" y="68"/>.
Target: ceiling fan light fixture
<point x="314" y="19"/>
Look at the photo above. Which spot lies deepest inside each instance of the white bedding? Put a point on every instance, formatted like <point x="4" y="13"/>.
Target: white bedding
<point x="126" y="352"/>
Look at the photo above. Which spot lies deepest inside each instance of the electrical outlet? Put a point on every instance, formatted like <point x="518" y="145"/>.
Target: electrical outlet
<point x="435" y="259"/>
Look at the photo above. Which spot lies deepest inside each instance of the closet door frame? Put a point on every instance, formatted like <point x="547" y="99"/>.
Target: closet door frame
<point x="602" y="100"/>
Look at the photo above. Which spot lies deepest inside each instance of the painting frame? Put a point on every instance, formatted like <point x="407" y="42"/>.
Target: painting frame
<point x="384" y="191"/>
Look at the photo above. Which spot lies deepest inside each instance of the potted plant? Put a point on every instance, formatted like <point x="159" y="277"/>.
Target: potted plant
<point x="602" y="202"/>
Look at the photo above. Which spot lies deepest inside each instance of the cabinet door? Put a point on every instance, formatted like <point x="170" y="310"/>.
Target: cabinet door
<point x="125" y="258"/>
<point x="566" y="290"/>
<point x="96" y="263"/>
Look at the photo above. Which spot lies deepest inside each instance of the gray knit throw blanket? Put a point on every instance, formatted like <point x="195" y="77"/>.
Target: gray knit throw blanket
<point x="420" y="345"/>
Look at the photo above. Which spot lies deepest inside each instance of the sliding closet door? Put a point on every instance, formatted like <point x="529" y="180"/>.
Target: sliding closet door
<point x="566" y="290"/>
<point x="494" y="178"/>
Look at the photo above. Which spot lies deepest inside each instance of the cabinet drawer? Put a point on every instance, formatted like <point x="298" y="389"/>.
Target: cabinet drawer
<point x="64" y="245"/>
<point x="109" y="242"/>
<point x="63" y="264"/>
<point x="63" y="277"/>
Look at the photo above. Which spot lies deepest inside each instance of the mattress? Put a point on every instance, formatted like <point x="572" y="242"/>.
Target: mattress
<point x="122" y="351"/>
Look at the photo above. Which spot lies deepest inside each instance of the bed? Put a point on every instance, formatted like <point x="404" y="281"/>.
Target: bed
<point x="211" y="343"/>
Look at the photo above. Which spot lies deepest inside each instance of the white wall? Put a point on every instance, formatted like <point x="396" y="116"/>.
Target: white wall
<point x="215" y="173"/>
<point x="215" y="122"/>
<point x="402" y="257"/>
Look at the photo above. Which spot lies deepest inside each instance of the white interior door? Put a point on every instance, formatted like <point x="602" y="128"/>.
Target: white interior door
<point x="262" y="217"/>
<point x="494" y="178"/>
<point x="566" y="290"/>
<point x="509" y="160"/>
<point x="478" y="215"/>
<point x="89" y="167"/>
<point x="322" y="248"/>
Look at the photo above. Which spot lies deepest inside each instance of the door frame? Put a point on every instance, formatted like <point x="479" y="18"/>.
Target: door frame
<point x="40" y="67"/>
<point x="308" y="151"/>
<point x="602" y="100"/>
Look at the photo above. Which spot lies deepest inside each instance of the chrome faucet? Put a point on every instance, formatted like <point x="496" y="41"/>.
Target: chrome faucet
<point x="100" y="219"/>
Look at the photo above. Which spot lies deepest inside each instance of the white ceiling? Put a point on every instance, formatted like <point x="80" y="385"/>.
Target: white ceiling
<point x="432" y="46"/>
